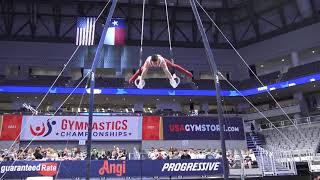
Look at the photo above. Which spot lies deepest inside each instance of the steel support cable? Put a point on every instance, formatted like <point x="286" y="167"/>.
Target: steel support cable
<point x="169" y="32"/>
<point x="221" y="75"/>
<point x="34" y="138"/>
<point x="243" y="60"/>
<point x="64" y="67"/>
<point x="142" y="32"/>
<point x="77" y="114"/>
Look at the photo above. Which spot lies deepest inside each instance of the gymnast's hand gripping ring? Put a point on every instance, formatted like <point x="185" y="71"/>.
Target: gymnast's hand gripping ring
<point x="139" y="83"/>
<point x="175" y="81"/>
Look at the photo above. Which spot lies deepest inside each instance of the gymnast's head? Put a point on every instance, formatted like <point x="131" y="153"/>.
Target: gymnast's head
<point x="155" y="59"/>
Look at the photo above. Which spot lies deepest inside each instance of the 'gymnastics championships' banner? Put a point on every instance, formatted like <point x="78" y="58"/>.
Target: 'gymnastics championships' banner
<point x="132" y="168"/>
<point x="55" y="128"/>
<point x="201" y="128"/>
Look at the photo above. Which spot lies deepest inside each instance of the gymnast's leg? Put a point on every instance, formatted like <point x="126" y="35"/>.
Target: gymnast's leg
<point x="135" y="76"/>
<point x="179" y="68"/>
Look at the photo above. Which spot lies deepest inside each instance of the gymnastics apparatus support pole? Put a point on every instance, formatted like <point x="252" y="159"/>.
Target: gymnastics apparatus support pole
<point x="214" y="71"/>
<point x="92" y="84"/>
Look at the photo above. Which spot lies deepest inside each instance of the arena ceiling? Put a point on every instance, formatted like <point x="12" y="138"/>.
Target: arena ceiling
<point x="243" y="21"/>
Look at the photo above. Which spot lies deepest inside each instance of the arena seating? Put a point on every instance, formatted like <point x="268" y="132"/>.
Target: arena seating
<point x="38" y="81"/>
<point x="302" y="70"/>
<point x="46" y="154"/>
<point x="236" y="157"/>
<point x="307" y="141"/>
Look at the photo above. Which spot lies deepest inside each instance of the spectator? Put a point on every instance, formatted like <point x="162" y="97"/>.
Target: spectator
<point x="185" y="155"/>
<point x="37" y="154"/>
<point x="94" y="154"/>
<point x="247" y="161"/>
<point x="252" y="128"/>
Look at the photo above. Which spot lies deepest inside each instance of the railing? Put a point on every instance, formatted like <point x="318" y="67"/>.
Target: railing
<point x="314" y="163"/>
<point x="287" y="123"/>
<point x="276" y="163"/>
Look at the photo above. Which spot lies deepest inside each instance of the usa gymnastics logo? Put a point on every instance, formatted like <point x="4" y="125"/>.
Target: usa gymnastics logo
<point x="44" y="129"/>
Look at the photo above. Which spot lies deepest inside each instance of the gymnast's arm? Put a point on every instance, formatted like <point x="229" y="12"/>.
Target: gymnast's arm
<point x="145" y="68"/>
<point x="164" y="66"/>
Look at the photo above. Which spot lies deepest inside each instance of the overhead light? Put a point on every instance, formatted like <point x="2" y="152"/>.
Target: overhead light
<point x="17" y="97"/>
<point x="157" y="99"/>
<point x="95" y="91"/>
<point x="282" y="60"/>
<point x="261" y="65"/>
<point x="36" y="97"/>
<point x="312" y="79"/>
<point x="291" y="84"/>
<point x="262" y="88"/>
<point x="313" y="51"/>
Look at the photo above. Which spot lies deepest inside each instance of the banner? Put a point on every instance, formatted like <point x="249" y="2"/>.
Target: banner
<point x="24" y="169"/>
<point x="115" y="128"/>
<point x="182" y="167"/>
<point x="132" y="168"/>
<point x="10" y="125"/>
<point x="152" y="128"/>
<point x="201" y="128"/>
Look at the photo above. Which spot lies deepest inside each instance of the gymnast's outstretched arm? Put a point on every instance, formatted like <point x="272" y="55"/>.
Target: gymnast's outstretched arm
<point x="144" y="69"/>
<point x="166" y="71"/>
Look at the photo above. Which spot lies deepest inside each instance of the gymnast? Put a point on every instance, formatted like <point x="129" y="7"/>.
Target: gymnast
<point x="158" y="61"/>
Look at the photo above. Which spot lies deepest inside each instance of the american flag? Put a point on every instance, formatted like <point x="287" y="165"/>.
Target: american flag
<point x="85" y="31"/>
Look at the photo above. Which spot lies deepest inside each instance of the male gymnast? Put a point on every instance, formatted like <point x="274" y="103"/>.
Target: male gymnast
<point x="158" y="61"/>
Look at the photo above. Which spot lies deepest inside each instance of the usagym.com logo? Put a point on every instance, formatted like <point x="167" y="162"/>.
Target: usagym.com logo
<point x="44" y="129"/>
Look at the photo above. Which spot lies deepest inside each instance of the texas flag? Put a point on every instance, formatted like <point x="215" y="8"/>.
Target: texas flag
<point x="116" y="32"/>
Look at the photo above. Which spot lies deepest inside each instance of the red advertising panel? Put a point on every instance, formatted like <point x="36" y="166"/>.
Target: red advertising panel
<point x="151" y="128"/>
<point x="10" y="126"/>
